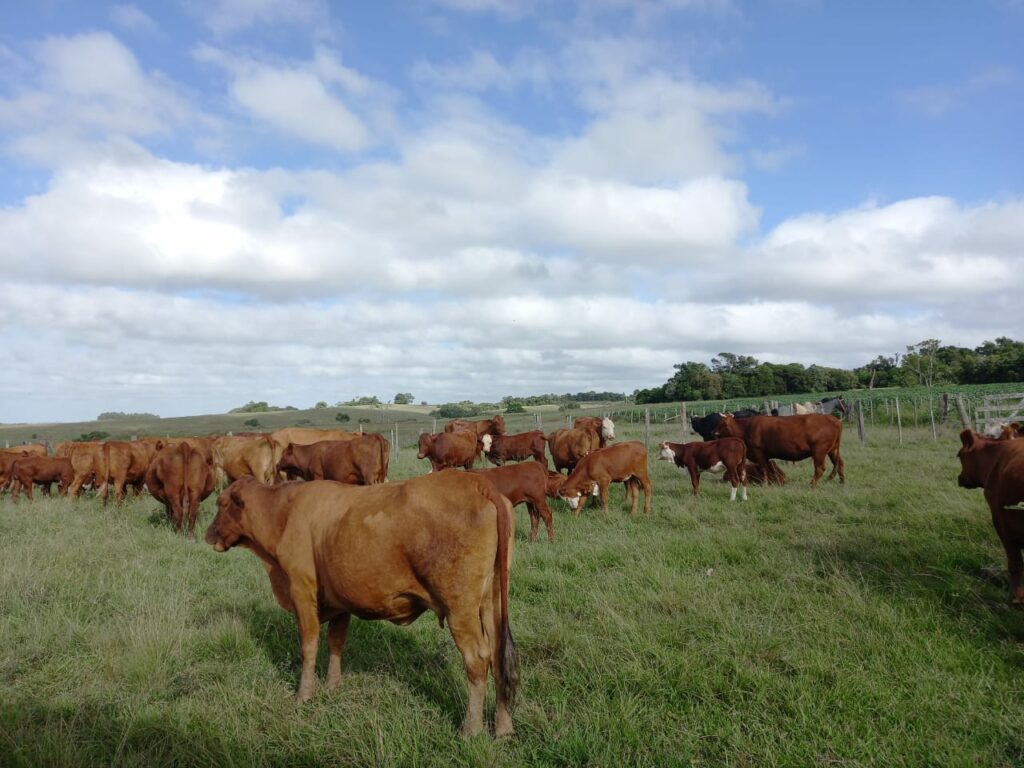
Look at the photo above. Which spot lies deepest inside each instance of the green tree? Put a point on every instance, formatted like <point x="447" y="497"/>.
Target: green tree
<point x="403" y="398"/>
<point x="321" y="404"/>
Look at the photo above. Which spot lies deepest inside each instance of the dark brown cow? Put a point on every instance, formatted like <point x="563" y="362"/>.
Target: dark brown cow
<point x="449" y="449"/>
<point x="282" y="438"/>
<point x="568" y="446"/>
<point x="126" y="464"/>
<point x="481" y="427"/>
<point x="997" y="466"/>
<point x="524" y="484"/>
<point x="7" y="459"/>
<point x="391" y="551"/>
<point x="181" y="478"/>
<point x="729" y="454"/>
<point x="624" y="463"/>
<point x="501" y="448"/>
<point x="355" y="462"/>
<point x="604" y="428"/>
<point x="792" y="438"/>
<point x="41" y="471"/>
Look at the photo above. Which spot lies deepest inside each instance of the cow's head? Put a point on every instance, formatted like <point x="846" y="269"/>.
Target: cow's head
<point x="572" y="491"/>
<point x="289" y="463"/>
<point x="555" y="482"/>
<point x="425" y="444"/>
<point x="498" y="425"/>
<point x="666" y="453"/>
<point x="607" y="429"/>
<point x="972" y="474"/>
<point x="228" y="528"/>
<point x="726" y="427"/>
<point x="485" y="443"/>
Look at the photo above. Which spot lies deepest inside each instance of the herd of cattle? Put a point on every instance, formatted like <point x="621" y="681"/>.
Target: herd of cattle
<point x="443" y="541"/>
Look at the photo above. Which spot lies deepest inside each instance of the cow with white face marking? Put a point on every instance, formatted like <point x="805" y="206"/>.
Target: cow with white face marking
<point x="728" y="454"/>
<point x="624" y="463"/>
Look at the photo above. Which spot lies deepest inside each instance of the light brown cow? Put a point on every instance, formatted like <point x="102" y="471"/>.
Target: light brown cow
<point x="88" y="463"/>
<point x="27" y="471"/>
<point x="997" y="466"/>
<point x="181" y="478"/>
<point x="449" y="449"/>
<point x="480" y="427"/>
<point x="621" y="463"/>
<point x="30" y="449"/>
<point x="126" y="463"/>
<point x="524" y="484"/>
<point x="604" y="428"/>
<point x="728" y="454"/>
<point x="568" y="446"/>
<point x="442" y="542"/>
<point x="791" y="438"/>
<point x="236" y="457"/>
<point x="355" y="462"/>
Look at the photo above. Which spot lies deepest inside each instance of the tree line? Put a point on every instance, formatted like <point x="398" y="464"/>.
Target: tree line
<point x="926" y="363"/>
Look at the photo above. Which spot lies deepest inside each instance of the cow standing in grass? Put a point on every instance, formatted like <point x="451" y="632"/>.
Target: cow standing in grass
<point x="624" y="463"/>
<point x="727" y="454"/>
<point x="793" y="438"/>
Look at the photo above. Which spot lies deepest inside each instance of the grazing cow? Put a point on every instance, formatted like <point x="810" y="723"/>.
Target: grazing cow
<point x="41" y="471"/>
<point x="89" y="464"/>
<point x="442" y="542"/>
<point x="568" y="446"/>
<point x="793" y="438"/>
<point x="235" y="457"/>
<point x="282" y="438"/>
<point x="524" y="483"/>
<point x="604" y="428"/>
<point x="449" y="449"/>
<point x="622" y="463"/>
<point x="727" y="454"/>
<point x="997" y="466"/>
<point x="126" y="463"/>
<point x="555" y="482"/>
<point x="181" y="478"/>
<point x="481" y="427"/>
<point x="355" y="462"/>
<point x="501" y="448"/>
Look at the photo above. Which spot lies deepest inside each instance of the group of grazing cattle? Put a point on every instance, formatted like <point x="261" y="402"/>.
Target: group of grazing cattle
<point x="996" y="464"/>
<point x="182" y="472"/>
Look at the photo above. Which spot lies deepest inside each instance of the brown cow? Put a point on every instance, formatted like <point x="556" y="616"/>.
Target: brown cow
<point x="1011" y="431"/>
<point x="997" y="466"/>
<point x="604" y="428"/>
<point x="555" y="482"/>
<point x="624" y="463"/>
<point x="126" y="463"/>
<point x="442" y="542"/>
<point x="729" y="454"/>
<point x="481" y="427"/>
<point x="7" y="459"/>
<point x="181" y="478"/>
<point x="354" y="462"/>
<point x="568" y="446"/>
<point x="501" y="448"/>
<point x="29" y="449"/>
<point x="524" y="483"/>
<point x="449" y="449"/>
<point x="792" y="438"/>
<point x="286" y="436"/>
<point x="89" y="464"/>
<point x="41" y="471"/>
<point x="236" y="456"/>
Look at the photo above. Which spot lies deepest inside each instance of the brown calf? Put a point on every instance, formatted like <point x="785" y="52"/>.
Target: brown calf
<point x="568" y="446"/>
<point x="998" y="467"/>
<point x="729" y="454"/>
<point x="449" y="449"/>
<point x="501" y="448"/>
<point x="41" y="471"/>
<point x="356" y="462"/>
<point x="622" y="463"/>
<point x="524" y="483"/>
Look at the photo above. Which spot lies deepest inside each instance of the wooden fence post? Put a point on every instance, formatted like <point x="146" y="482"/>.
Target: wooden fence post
<point x="396" y="440"/>
<point x="860" y="420"/>
<point x="914" y="403"/>
<point x="647" y="427"/>
<point x="931" y="415"/>
<point x="899" y="424"/>
<point x="433" y="429"/>
<point x="684" y="423"/>
<point x="945" y="406"/>
<point x="965" y="418"/>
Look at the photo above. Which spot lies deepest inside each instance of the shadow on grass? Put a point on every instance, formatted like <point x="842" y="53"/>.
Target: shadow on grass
<point x="423" y="664"/>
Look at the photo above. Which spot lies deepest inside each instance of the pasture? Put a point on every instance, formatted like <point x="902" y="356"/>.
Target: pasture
<point x="857" y="625"/>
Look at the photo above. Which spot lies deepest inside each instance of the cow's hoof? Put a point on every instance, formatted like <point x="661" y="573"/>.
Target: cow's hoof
<point x="503" y="727"/>
<point x="470" y="730"/>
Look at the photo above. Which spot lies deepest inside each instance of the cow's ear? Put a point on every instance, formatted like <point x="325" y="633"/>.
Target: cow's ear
<point x="967" y="438"/>
<point x="236" y="499"/>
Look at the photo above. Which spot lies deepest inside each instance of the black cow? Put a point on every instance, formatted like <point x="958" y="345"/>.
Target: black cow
<point x="705" y="425"/>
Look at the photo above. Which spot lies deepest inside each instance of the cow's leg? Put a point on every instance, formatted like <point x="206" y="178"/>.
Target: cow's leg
<point x="837" y="465"/>
<point x="490" y="618"/>
<point x="337" y="633"/>
<point x="544" y="510"/>
<point x="468" y="632"/>
<point x="534" y="520"/>
<point x="819" y="469"/>
<point x="694" y="478"/>
<point x="304" y="599"/>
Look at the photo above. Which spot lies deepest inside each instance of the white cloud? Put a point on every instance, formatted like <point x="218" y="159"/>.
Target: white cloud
<point x="225" y="17"/>
<point x="132" y="18"/>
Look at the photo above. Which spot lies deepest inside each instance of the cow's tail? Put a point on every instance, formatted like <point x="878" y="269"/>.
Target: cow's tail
<point x="503" y="564"/>
<point x="105" y="471"/>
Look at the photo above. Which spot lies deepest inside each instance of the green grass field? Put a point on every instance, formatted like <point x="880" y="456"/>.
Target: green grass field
<point x="837" y="627"/>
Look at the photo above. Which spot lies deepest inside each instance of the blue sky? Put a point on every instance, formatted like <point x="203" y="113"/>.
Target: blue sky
<point x="203" y="203"/>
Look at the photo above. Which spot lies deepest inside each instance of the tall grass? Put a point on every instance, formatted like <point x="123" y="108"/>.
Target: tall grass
<point x="856" y="625"/>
